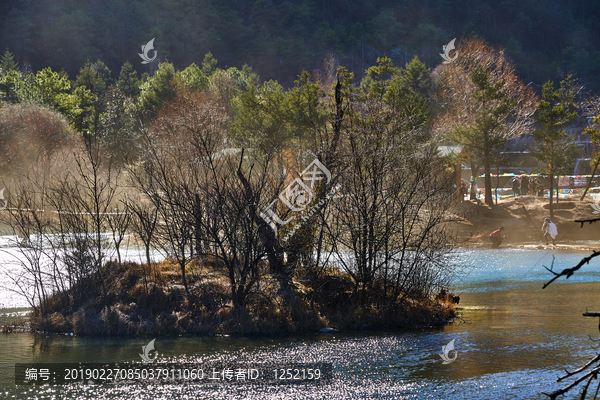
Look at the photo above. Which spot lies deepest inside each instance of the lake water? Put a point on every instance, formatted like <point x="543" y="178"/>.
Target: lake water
<point x="512" y="342"/>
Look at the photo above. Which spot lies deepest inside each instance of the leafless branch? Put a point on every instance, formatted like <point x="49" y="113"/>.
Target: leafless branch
<point x="590" y="220"/>
<point x="592" y="374"/>
<point x="568" y="272"/>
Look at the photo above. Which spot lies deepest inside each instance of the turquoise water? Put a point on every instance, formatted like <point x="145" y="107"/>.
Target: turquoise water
<point x="512" y="341"/>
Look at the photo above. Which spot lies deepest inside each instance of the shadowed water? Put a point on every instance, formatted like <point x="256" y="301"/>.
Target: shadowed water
<point x="514" y="339"/>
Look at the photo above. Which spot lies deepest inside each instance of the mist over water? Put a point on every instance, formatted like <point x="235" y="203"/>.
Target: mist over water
<point x="513" y="340"/>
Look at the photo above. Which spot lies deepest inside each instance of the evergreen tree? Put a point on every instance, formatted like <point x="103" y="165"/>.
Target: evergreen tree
<point x="10" y="78"/>
<point x="54" y="89"/>
<point x="8" y="63"/>
<point x="159" y="88"/>
<point x="554" y="146"/>
<point x="128" y="82"/>
<point x="193" y="78"/>
<point x="378" y="77"/>
<point x="95" y="78"/>
<point x="415" y="77"/>
<point x="408" y="93"/>
<point x="306" y="107"/>
<point x="263" y="116"/>
<point x="209" y="64"/>
<point x="488" y="135"/>
<point x="48" y="85"/>
<point x="11" y="86"/>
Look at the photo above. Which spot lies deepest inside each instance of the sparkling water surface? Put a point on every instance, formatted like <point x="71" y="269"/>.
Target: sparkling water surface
<point x="513" y="339"/>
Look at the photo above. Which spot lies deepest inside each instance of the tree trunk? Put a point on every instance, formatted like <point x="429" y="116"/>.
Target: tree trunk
<point x="497" y="183"/>
<point x="273" y="249"/>
<point x="147" y="245"/>
<point x="488" y="185"/>
<point x="590" y="182"/>
<point x="198" y="225"/>
<point x="557" y="190"/>
<point x="183" y="278"/>
<point x="551" y="194"/>
<point x="457" y="170"/>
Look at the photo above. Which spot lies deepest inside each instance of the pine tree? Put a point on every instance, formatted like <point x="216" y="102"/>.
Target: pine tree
<point x="555" y="147"/>
<point x="95" y="78"/>
<point x="488" y="134"/>
<point x="193" y="78"/>
<point x="128" y="82"/>
<point x="379" y="77"/>
<point x="415" y="77"/>
<point x="209" y="64"/>
<point x="408" y="93"/>
<point x="8" y="63"/>
<point x="158" y="89"/>
<point x="481" y="104"/>
<point x="10" y="78"/>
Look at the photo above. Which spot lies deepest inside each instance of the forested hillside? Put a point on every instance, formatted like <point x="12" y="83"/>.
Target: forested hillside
<point x="547" y="39"/>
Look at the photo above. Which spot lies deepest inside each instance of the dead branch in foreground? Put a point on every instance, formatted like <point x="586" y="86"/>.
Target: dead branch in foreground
<point x="593" y="373"/>
<point x="568" y="272"/>
<point x="589" y="220"/>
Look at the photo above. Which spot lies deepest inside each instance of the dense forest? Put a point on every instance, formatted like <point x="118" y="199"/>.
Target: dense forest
<point x="547" y="39"/>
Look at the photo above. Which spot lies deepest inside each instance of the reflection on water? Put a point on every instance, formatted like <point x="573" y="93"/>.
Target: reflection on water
<point x="514" y="340"/>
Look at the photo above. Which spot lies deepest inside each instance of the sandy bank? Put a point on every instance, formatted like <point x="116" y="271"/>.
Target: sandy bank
<point x="523" y="217"/>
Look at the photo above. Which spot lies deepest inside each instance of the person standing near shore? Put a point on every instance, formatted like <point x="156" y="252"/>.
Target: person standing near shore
<point x="549" y="229"/>
<point x="534" y="186"/>
<point x="473" y="188"/>
<point x="516" y="187"/>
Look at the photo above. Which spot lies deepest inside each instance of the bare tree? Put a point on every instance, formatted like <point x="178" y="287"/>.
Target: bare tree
<point x="36" y="269"/>
<point x="185" y="164"/>
<point x="29" y="272"/>
<point x="389" y="221"/>
<point x="118" y="223"/>
<point x="144" y="218"/>
<point x="82" y="200"/>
